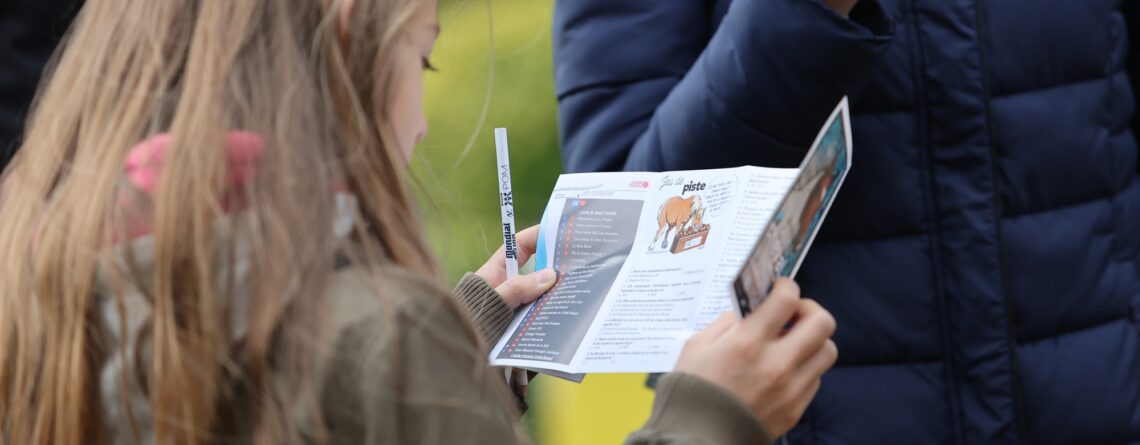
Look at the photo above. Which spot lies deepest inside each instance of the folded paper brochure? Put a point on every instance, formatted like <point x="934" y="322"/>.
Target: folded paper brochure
<point x="646" y="260"/>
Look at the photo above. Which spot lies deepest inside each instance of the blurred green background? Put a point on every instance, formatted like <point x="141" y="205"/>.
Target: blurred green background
<point x="459" y="179"/>
<point x="455" y="166"/>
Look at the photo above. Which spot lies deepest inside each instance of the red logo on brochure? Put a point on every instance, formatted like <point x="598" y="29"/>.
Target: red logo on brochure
<point x="639" y="184"/>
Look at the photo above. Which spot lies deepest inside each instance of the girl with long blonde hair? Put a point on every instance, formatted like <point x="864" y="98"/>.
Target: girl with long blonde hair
<point x="208" y="238"/>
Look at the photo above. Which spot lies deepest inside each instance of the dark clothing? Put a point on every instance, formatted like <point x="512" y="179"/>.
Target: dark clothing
<point x="29" y="33"/>
<point x="983" y="257"/>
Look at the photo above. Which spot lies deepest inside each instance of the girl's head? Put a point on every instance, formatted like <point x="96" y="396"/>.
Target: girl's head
<point x="412" y="57"/>
<point x="332" y="91"/>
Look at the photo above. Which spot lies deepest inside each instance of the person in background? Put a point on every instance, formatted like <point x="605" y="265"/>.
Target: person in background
<point x="983" y="257"/>
<point x="29" y="32"/>
<point x="208" y="238"/>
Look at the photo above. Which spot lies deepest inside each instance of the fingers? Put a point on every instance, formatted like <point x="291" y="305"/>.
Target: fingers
<point x="821" y="361"/>
<point x="792" y="397"/>
<point x="770" y="317"/>
<point x="799" y="404"/>
<point x="526" y="243"/>
<point x="814" y="327"/>
<point x="524" y="289"/>
<point x="494" y="270"/>
<point x="807" y="379"/>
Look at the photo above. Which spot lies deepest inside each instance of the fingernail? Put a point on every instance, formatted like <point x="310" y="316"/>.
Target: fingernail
<point x="546" y="277"/>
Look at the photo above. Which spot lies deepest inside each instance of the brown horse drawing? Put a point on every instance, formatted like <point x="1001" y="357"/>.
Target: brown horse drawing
<point x="815" y="201"/>
<point x="675" y="213"/>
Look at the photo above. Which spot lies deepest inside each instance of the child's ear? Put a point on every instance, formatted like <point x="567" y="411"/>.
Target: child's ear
<point x="343" y="15"/>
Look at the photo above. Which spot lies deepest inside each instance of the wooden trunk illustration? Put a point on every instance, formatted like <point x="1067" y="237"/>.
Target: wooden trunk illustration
<point x="686" y="215"/>
<point x="690" y="238"/>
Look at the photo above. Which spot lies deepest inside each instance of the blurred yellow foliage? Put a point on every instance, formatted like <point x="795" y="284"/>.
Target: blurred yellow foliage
<point x="603" y="409"/>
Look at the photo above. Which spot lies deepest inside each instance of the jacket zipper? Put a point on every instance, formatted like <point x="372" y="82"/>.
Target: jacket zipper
<point x="1015" y="375"/>
<point x="930" y="201"/>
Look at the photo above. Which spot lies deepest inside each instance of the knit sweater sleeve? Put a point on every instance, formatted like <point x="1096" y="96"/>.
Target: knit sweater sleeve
<point x="484" y="306"/>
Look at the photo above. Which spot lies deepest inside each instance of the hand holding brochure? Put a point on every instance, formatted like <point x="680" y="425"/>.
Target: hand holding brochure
<point x="647" y="259"/>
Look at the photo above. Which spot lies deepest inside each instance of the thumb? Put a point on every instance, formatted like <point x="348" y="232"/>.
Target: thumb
<point x="524" y="289"/>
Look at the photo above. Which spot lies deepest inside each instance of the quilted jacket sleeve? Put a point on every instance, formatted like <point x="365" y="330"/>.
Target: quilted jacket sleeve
<point x="660" y="85"/>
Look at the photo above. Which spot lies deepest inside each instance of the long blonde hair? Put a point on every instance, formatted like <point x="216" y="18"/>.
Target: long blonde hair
<point x="196" y="69"/>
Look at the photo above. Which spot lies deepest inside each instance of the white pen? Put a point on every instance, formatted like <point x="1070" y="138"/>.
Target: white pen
<point x="506" y="201"/>
<point x="507" y="211"/>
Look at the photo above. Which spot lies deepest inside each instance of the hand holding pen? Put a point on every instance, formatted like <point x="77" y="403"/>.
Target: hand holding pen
<point x="520" y="289"/>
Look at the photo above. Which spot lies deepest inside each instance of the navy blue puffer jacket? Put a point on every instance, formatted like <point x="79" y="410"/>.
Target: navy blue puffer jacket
<point x="983" y="259"/>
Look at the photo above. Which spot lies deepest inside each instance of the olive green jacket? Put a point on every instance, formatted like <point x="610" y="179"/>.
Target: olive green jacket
<point x="409" y="366"/>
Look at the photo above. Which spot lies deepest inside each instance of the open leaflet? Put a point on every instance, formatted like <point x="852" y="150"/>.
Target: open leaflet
<point x="645" y="260"/>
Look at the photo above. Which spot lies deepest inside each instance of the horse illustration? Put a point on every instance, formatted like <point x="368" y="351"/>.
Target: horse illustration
<point x="676" y="213"/>
<point x="815" y="201"/>
<point x="697" y="217"/>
